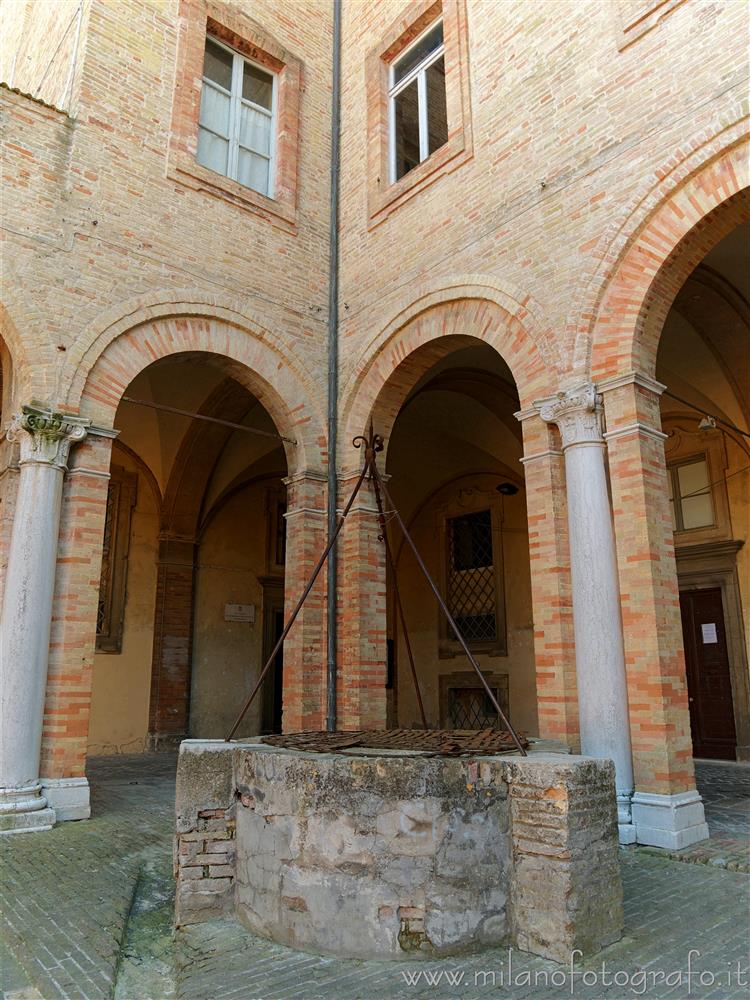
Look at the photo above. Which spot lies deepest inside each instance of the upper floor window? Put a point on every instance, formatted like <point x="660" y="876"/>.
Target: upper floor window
<point x="417" y="102"/>
<point x="690" y="495"/>
<point x="236" y="135"/>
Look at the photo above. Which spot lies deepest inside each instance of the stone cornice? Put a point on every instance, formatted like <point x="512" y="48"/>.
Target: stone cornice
<point x="636" y="428"/>
<point x="632" y="378"/>
<point x="45" y="436"/>
<point x="537" y="456"/>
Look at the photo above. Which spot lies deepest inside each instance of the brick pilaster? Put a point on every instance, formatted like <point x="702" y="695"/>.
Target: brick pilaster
<point x="304" y="697"/>
<point x="549" y="554"/>
<point x="654" y="657"/>
<point x="74" y="611"/>
<point x="173" y="634"/>
<point x="362" y="614"/>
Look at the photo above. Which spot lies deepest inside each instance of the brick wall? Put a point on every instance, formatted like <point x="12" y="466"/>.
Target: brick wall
<point x="598" y="174"/>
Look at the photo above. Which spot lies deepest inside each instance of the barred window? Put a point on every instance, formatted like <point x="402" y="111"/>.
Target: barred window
<point x="464" y="703"/>
<point x="472" y="596"/>
<point x="121" y="498"/>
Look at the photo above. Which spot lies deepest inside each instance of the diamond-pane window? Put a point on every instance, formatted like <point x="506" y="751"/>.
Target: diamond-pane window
<point x="471" y="576"/>
<point x="471" y="708"/>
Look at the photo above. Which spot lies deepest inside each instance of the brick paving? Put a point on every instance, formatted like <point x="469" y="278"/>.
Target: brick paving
<point x="86" y="912"/>
<point x="726" y="798"/>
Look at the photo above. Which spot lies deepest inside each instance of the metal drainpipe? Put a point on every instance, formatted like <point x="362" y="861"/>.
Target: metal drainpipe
<point x="333" y="369"/>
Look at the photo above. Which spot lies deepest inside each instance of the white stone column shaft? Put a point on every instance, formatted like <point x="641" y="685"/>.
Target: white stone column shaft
<point x="45" y="438"/>
<point x="597" y="623"/>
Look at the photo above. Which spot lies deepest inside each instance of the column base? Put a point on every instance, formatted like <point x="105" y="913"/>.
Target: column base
<point x="670" y="821"/>
<point x="25" y="810"/>
<point x="69" y="797"/>
<point x="625" y="828"/>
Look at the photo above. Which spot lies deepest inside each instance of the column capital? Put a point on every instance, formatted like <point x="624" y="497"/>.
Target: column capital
<point x="577" y="412"/>
<point x="45" y="435"/>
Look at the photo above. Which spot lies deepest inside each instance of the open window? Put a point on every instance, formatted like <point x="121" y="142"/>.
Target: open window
<point x="417" y="104"/>
<point x="418" y="111"/>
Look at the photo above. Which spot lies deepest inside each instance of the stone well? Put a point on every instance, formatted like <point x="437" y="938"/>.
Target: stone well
<point x="399" y="854"/>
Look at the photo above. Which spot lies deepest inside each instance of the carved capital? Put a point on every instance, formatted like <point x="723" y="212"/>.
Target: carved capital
<point x="45" y="436"/>
<point x="578" y="414"/>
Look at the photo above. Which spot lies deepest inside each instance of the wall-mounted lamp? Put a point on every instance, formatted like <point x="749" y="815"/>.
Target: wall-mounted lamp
<point x="707" y="424"/>
<point x="507" y="489"/>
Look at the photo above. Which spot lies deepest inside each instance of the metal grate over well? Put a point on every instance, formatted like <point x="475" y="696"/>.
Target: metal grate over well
<point x="442" y="742"/>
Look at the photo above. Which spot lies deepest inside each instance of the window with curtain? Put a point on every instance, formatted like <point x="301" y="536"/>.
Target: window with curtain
<point x="236" y="134"/>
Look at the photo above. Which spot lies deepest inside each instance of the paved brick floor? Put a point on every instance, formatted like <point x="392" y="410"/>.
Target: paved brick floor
<point x="726" y="797"/>
<point x="85" y="911"/>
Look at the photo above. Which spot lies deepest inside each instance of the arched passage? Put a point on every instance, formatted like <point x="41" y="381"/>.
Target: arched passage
<point x="658" y="258"/>
<point x="201" y="578"/>
<point x="651" y="287"/>
<point x="416" y="339"/>
<point x="443" y="389"/>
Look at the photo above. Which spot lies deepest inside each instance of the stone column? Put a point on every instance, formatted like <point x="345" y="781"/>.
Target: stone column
<point x="72" y="644"/>
<point x="45" y="438"/>
<point x="600" y="659"/>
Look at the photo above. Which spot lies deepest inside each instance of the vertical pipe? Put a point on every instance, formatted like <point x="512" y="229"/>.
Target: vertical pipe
<point x="333" y="369"/>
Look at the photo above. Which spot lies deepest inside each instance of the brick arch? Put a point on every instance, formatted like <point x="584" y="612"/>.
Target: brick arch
<point x="598" y="267"/>
<point x="658" y="258"/>
<point x="427" y="331"/>
<point x="102" y="376"/>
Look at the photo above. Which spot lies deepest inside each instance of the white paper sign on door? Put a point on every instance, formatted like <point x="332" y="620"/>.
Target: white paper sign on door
<point x="709" y="633"/>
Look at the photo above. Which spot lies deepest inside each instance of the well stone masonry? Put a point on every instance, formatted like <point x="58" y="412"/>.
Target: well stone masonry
<point x="398" y="854"/>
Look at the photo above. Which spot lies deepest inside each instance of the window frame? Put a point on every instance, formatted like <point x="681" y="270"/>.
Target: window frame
<point x="276" y="537"/>
<point x="236" y="100"/>
<point x="384" y="197"/>
<point x="234" y="28"/>
<point x="674" y="479"/>
<point x="686" y="444"/>
<point x="448" y="646"/>
<point x="122" y="496"/>
<point x="417" y="73"/>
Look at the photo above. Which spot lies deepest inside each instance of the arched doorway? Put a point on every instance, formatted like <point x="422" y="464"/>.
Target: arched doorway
<point x="193" y="564"/>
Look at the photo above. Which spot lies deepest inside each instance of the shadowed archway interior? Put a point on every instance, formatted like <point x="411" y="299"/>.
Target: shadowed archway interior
<point x="192" y="586"/>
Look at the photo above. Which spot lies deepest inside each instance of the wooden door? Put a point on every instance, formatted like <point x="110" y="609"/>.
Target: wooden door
<point x="708" y="677"/>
